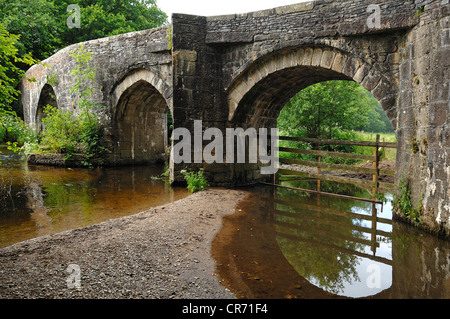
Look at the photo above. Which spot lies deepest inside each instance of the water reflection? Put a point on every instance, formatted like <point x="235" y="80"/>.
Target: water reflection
<point x="38" y="200"/>
<point x="334" y="243"/>
<point x="300" y="245"/>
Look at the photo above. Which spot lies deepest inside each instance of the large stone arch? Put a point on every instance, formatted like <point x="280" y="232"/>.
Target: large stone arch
<point x="140" y="133"/>
<point x="260" y="91"/>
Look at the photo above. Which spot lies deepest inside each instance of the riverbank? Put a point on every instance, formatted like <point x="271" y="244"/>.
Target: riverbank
<point x="162" y="253"/>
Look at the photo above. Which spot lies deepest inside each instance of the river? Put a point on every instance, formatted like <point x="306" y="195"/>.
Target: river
<point x="286" y="244"/>
<point x="39" y="200"/>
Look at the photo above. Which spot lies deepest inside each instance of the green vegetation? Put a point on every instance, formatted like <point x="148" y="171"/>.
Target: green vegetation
<point x="68" y="133"/>
<point x="196" y="181"/>
<point x="340" y="110"/>
<point x="36" y="20"/>
<point x="390" y="153"/>
<point x="404" y="204"/>
<point x="10" y="73"/>
<point x="12" y="128"/>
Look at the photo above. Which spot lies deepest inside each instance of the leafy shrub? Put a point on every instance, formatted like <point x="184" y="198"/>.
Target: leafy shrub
<point x="196" y="181"/>
<point x="62" y="131"/>
<point x="13" y="129"/>
<point x="68" y="133"/>
<point x="404" y="203"/>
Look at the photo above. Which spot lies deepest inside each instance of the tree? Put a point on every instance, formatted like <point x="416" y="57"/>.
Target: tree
<point x="36" y="23"/>
<point x="12" y="128"/>
<point x="106" y="18"/>
<point x="43" y="29"/>
<point x="326" y="109"/>
<point x="10" y="73"/>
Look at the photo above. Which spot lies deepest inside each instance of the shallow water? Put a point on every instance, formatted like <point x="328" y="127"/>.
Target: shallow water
<point x="39" y="200"/>
<point x="288" y="244"/>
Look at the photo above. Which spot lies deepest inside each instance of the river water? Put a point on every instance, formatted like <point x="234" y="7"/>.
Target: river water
<point x="38" y="200"/>
<point x="284" y="243"/>
<point x="280" y="243"/>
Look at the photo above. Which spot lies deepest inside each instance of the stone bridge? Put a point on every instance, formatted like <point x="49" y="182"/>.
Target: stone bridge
<point x="240" y="70"/>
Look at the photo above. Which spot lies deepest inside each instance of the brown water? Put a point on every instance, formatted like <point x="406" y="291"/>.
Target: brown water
<point x="38" y="200"/>
<point x="287" y="244"/>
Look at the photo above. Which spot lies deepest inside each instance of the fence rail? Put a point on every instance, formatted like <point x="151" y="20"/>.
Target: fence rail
<point x="375" y="185"/>
<point x="339" y="142"/>
<point x="372" y="185"/>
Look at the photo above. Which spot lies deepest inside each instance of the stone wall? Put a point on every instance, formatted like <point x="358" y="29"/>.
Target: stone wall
<point x="424" y="115"/>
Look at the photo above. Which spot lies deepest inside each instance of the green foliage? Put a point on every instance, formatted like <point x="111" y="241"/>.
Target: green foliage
<point x="61" y="132"/>
<point x="321" y="109"/>
<point x="37" y="23"/>
<point x="68" y="133"/>
<point x="13" y="129"/>
<point x="337" y="110"/>
<point x="10" y="73"/>
<point x="37" y="20"/>
<point x="404" y="204"/>
<point x="196" y="181"/>
<point x="82" y="90"/>
<point x="170" y="38"/>
<point x="390" y="153"/>
<point x="107" y="18"/>
<point x="420" y="11"/>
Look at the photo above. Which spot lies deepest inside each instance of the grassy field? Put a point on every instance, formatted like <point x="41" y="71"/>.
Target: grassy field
<point x="391" y="153"/>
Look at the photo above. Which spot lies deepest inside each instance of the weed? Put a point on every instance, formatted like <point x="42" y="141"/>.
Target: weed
<point x="404" y="203"/>
<point x="196" y="181"/>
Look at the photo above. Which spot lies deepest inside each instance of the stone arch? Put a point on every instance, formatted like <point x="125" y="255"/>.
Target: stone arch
<point x="142" y="75"/>
<point x="46" y="97"/>
<point x="258" y="93"/>
<point x="140" y="119"/>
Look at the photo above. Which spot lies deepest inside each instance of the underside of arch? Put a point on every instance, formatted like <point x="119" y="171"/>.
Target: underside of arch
<point x="140" y="125"/>
<point x="258" y="94"/>
<point x="47" y="97"/>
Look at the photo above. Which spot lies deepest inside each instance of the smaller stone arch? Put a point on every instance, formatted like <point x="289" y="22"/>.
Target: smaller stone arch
<point x="140" y="126"/>
<point x="46" y="97"/>
<point x="142" y="75"/>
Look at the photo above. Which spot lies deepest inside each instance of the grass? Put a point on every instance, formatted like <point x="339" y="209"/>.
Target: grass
<point x="391" y="153"/>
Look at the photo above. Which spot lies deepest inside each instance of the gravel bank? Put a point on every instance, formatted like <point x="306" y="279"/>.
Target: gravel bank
<point x="162" y="253"/>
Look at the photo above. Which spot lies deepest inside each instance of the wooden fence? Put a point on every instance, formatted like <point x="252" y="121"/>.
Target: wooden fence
<point x="373" y="185"/>
<point x="322" y="235"/>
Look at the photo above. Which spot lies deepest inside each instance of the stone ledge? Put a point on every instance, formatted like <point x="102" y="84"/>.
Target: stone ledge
<point x="293" y="8"/>
<point x="229" y="37"/>
<point x="58" y="160"/>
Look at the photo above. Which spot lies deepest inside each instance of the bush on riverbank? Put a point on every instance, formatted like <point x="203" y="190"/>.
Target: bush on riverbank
<point x="68" y="133"/>
<point x="13" y="129"/>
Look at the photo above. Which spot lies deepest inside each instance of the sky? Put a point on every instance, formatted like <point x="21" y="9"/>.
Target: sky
<point x="215" y="7"/>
